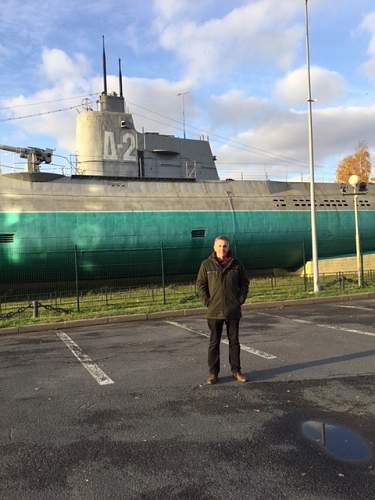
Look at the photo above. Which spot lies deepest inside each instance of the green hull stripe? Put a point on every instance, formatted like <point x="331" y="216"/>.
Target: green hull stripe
<point x="262" y="239"/>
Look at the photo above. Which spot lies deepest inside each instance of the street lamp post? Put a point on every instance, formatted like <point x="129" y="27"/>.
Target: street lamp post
<point x="314" y="244"/>
<point x="183" y="94"/>
<point x="354" y="180"/>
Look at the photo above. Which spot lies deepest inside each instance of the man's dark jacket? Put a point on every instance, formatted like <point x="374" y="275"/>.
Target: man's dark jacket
<point x="222" y="289"/>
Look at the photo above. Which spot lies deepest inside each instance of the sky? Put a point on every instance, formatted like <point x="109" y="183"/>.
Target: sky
<point x="242" y="63"/>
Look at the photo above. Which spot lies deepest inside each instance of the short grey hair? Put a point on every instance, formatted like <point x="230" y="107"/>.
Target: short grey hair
<point x="222" y="238"/>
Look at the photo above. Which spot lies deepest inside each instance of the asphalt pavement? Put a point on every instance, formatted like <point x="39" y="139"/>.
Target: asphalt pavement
<point x="124" y="411"/>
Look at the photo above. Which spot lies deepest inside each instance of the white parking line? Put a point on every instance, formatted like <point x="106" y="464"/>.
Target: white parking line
<point x="86" y="361"/>
<point x="361" y="308"/>
<point x="320" y="325"/>
<point x="245" y="348"/>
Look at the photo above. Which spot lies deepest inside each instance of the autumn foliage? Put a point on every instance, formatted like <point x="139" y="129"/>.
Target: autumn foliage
<point x="357" y="164"/>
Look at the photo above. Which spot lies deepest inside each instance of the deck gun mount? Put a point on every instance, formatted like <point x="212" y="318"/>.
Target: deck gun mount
<point x="34" y="156"/>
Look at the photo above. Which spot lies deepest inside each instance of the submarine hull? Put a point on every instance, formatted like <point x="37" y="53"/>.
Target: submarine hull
<point x="131" y="229"/>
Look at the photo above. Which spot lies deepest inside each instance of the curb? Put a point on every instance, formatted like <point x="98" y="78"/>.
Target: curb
<point x="126" y="318"/>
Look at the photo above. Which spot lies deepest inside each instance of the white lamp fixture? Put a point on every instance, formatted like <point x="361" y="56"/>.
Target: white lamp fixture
<point x="354" y="180"/>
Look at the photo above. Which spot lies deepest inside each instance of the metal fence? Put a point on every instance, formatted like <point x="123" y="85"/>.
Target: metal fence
<point x="56" y="269"/>
<point x="73" y="300"/>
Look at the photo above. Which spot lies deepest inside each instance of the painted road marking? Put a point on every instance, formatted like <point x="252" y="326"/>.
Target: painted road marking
<point x="245" y="348"/>
<point x="320" y="325"/>
<point x="85" y="360"/>
<point x="361" y="308"/>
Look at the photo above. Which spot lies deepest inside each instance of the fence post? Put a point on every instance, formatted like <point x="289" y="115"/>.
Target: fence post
<point x="304" y="265"/>
<point x="76" y="275"/>
<point x="362" y="270"/>
<point x="341" y="281"/>
<point x="162" y="271"/>
<point x="35" y="309"/>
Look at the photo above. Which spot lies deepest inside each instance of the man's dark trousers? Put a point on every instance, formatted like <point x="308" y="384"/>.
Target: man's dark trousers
<point x="216" y="329"/>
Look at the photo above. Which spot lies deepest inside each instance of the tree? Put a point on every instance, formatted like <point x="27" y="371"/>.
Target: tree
<point x="357" y="164"/>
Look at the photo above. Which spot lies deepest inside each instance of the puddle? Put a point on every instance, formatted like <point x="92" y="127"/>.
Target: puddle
<point x="338" y="441"/>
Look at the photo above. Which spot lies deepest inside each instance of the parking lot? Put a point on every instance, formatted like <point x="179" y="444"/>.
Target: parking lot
<point x="124" y="411"/>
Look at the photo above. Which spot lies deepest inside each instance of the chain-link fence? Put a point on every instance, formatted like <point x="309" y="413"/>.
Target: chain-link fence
<point x="60" y="300"/>
<point x="63" y="268"/>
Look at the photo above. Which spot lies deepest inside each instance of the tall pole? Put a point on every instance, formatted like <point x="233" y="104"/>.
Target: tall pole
<point x="120" y="77"/>
<point x="183" y="94"/>
<point x="314" y="243"/>
<point x="357" y="239"/>
<point x="104" y="69"/>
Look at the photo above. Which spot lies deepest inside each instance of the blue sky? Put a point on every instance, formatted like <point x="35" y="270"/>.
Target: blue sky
<point x="241" y="60"/>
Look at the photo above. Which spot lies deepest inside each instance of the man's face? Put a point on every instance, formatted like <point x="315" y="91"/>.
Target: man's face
<point x="221" y="248"/>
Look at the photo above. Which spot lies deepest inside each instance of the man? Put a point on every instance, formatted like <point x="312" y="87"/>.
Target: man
<point x="223" y="285"/>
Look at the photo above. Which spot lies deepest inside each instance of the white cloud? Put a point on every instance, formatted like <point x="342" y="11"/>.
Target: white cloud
<point x="261" y="31"/>
<point x="280" y="144"/>
<point x="68" y="77"/>
<point x="57" y="65"/>
<point x="239" y="111"/>
<point x="170" y="9"/>
<point x="368" y="25"/>
<point x="327" y="86"/>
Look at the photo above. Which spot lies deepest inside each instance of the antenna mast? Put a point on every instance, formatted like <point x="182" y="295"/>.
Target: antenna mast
<point x="120" y="77"/>
<point x="104" y="69"/>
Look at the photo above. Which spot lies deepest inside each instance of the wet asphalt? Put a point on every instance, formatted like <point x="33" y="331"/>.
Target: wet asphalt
<point x="159" y="431"/>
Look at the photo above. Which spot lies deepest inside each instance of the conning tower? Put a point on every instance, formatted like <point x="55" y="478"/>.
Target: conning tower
<point x="108" y="145"/>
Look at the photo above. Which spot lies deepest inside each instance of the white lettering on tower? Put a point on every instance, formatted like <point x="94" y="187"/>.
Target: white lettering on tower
<point x="110" y="152"/>
<point x="129" y="147"/>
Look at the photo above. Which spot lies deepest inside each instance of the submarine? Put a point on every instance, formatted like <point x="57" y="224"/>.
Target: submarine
<point x="140" y="201"/>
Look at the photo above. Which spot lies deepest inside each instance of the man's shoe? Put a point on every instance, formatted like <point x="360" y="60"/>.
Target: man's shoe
<point x="212" y="379"/>
<point x="239" y="377"/>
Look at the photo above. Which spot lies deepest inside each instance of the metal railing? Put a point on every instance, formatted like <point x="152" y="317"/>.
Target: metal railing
<point x="72" y="300"/>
